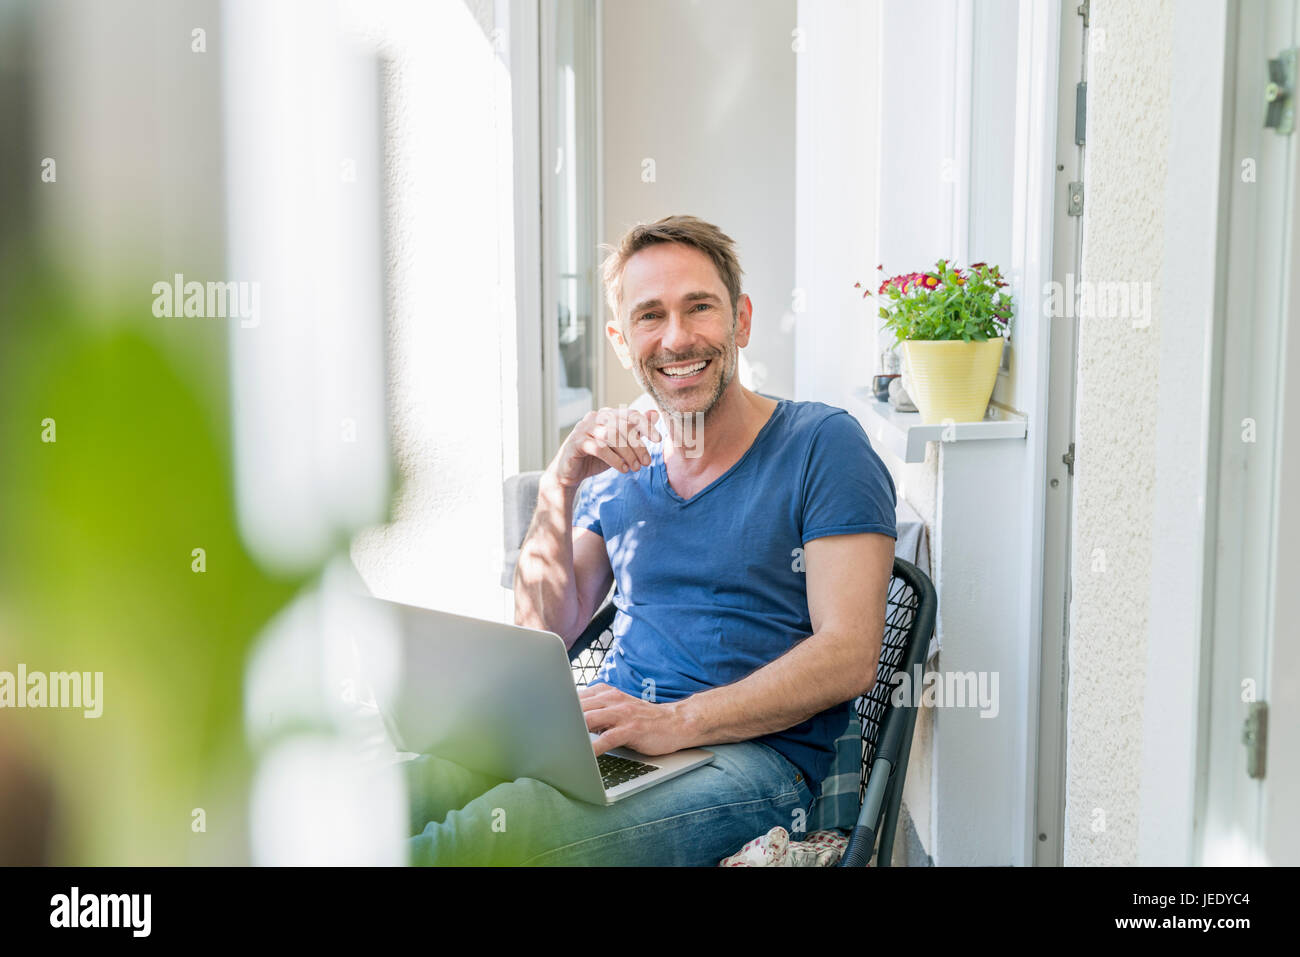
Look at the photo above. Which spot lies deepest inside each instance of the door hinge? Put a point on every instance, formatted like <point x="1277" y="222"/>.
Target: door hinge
<point x="1076" y="199"/>
<point x="1254" y="735"/>
<point x="1068" y="459"/>
<point x="1279" y="93"/>
<point x="1080" y="112"/>
<point x="1082" y="10"/>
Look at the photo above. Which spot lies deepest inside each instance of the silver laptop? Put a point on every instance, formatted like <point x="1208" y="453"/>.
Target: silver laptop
<point x="501" y="700"/>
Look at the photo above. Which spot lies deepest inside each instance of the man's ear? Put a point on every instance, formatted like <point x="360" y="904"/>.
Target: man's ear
<point x="615" y="335"/>
<point x="744" y="319"/>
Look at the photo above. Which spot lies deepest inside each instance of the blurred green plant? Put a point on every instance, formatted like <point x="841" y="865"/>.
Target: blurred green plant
<point x="97" y="531"/>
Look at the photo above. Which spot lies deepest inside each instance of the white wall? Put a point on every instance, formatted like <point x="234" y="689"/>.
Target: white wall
<point x="836" y="195"/>
<point x="707" y="91"/>
<point x="1119" y="394"/>
<point x="1192" y="221"/>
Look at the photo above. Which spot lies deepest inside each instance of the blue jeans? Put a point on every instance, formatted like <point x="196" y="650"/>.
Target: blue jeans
<point x="461" y="817"/>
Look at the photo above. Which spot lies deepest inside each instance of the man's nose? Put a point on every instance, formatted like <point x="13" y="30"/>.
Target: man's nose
<point x="678" y="336"/>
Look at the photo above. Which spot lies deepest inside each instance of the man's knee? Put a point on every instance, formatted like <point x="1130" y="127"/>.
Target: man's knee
<point x="700" y="837"/>
<point x="505" y="825"/>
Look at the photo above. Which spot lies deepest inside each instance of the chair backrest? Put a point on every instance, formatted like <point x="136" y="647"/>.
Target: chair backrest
<point x="589" y="651"/>
<point x="887" y="726"/>
<point x="903" y="646"/>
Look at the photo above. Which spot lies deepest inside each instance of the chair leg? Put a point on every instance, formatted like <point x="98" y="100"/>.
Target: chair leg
<point x="863" y="838"/>
<point x="858" y="851"/>
<point x="890" y="827"/>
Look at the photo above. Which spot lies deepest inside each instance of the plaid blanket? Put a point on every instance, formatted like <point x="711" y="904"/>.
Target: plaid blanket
<point x="837" y="808"/>
<point x="831" y="818"/>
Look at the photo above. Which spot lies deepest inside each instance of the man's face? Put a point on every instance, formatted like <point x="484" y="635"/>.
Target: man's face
<point x="678" y="334"/>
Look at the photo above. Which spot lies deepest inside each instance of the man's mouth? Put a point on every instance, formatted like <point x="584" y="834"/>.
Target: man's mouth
<point x="682" y="372"/>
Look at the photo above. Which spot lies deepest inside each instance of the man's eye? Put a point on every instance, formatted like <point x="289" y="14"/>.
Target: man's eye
<point x="703" y="305"/>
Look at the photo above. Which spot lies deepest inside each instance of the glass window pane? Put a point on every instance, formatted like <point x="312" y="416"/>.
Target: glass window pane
<point x="570" y="217"/>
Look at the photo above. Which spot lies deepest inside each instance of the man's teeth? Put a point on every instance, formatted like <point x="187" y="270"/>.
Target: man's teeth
<point x="686" y="370"/>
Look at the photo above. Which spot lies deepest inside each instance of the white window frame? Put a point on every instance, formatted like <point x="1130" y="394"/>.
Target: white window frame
<point x="532" y="49"/>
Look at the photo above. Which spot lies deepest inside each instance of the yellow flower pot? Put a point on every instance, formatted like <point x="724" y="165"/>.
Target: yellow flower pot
<point x="952" y="379"/>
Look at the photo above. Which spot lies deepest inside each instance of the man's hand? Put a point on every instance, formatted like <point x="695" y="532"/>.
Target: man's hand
<point x="603" y="439"/>
<point x="624" y="721"/>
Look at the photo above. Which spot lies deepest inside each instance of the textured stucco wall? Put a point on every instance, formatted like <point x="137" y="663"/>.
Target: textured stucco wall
<point x="1124" y="175"/>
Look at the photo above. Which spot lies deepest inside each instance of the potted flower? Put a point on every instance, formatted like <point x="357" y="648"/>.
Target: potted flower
<point x="951" y="324"/>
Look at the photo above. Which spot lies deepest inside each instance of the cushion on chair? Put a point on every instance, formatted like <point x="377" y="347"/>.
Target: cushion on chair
<point x="520" y="503"/>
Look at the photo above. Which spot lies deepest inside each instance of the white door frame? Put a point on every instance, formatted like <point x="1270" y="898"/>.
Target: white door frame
<point x="1245" y="599"/>
<point x="1067" y="249"/>
<point x="1279" y="833"/>
<point x="526" y="127"/>
<point x="533" y="53"/>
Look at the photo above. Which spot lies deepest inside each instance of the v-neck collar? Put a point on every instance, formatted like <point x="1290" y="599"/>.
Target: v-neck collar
<point x="663" y="465"/>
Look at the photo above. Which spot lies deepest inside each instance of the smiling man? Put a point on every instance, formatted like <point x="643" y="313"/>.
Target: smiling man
<point x="749" y="540"/>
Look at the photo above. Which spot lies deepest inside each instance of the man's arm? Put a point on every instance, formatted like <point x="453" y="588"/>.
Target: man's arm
<point x="562" y="571"/>
<point x="848" y="585"/>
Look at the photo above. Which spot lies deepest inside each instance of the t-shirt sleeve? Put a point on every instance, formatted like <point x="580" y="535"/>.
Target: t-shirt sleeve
<point x="846" y="488"/>
<point x="586" y="507"/>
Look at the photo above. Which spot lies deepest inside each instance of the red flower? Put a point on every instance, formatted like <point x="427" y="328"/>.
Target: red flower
<point x="898" y="282"/>
<point x="929" y="282"/>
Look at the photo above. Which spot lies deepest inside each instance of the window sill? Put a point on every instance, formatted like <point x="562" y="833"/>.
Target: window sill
<point x="905" y="436"/>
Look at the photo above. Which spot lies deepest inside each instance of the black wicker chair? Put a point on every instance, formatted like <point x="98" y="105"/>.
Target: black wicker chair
<point x="886" y="727"/>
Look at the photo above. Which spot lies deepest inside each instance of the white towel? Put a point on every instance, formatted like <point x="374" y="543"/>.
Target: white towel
<point x="775" y="849"/>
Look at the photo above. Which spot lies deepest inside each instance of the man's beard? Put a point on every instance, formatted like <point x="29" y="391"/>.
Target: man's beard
<point x="645" y="372"/>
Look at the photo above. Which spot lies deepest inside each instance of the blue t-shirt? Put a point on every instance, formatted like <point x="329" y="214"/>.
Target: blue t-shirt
<point x="711" y="588"/>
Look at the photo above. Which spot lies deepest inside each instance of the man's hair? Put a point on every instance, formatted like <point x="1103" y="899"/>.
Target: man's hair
<point x="689" y="231"/>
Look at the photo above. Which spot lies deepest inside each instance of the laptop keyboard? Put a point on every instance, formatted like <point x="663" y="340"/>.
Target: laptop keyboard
<point x="615" y="770"/>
